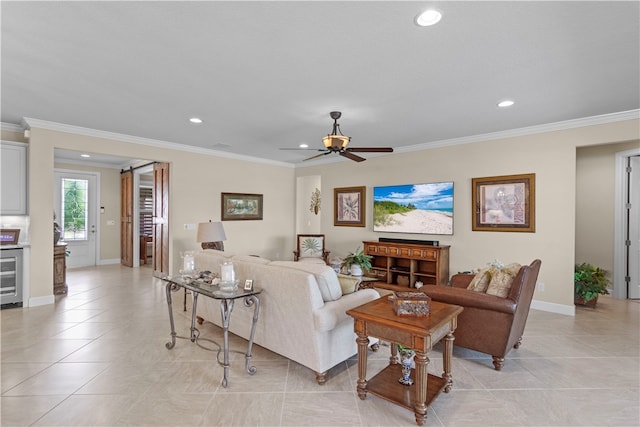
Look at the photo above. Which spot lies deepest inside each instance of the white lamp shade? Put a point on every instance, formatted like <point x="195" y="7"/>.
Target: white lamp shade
<point x="211" y="232"/>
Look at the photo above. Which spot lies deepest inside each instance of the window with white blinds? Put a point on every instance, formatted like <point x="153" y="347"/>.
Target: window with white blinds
<point x="146" y="211"/>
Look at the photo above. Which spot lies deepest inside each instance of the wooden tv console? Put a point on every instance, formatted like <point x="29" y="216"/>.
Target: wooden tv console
<point x="398" y="266"/>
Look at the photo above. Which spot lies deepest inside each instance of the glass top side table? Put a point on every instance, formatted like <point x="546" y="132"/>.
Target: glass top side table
<point x="227" y="300"/>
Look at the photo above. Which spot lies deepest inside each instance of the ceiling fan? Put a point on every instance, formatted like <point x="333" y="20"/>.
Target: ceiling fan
<point x="336" y="142"/>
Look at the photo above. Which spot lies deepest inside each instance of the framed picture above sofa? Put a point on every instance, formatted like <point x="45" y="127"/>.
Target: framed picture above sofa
<point x="241" y="206"/>
<point x="504" y="203"/>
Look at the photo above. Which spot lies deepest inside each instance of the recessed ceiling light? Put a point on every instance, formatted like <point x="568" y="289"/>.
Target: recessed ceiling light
<point x="428" y="17"/>
<point x="195" y="120"/>
<point x="303" y="145"/>
<point x="505" y="103"/>
<point x="85" y="155"/>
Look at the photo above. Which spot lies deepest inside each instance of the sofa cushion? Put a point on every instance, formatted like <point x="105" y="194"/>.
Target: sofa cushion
<point x="501" y="280"/>
<point x="326" y="278"/>
<point x="480" y="281"/>
<point x="349" y="284"/>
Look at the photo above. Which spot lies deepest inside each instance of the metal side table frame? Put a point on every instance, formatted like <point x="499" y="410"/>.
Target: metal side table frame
<point x="227" y="301"/>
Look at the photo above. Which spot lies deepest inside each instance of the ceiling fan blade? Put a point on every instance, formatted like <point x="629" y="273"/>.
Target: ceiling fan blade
<point x="370" y="149"/>
<point x="304" y="149"/>
<point x="317" y="155"/>
<point x="352" y="156"/>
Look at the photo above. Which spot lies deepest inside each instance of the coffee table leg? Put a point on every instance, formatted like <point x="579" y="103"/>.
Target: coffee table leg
<point x="171" y="287"/>
<point x="446" y="362"/>
<point x="194" y="331"/>
<point x="248" y="302"/>
<point x="226" y="307"/>
<point x="362" y="341"/>
<point x="422" y="363"/>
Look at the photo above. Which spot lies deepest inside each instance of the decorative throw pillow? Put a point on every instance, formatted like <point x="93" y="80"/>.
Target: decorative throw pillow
<point x="502" y="279"/>
<point x="348" y="284"/>
<point x="480" y="281"/>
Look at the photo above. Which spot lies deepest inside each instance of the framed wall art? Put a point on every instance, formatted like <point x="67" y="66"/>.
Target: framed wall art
<point x="240" y="206"/>
<point x="504" y="203"/>
<point x="349" y="206"/>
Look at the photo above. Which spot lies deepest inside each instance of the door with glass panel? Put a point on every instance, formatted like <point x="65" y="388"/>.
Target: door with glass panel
<point x="75" y="208"/>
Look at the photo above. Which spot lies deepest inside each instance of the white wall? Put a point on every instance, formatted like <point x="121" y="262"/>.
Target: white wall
<point x="308" y="222"/>
<point x="551" y="156"/>
<point x="196" y="181"/>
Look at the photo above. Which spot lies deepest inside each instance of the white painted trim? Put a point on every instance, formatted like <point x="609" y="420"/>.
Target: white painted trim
<point x="112" y="261"/>
<point x="61" y="127"/>
<point x="568" y="310"/>
<point x="531" y="130"/>
<point x="619" y="223"/>
<point x="29" y="122"/>
<point x="10" y="127"/>
<point x="45" y="300"/>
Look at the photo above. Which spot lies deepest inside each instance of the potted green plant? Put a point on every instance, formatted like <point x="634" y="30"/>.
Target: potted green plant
<point x="589" y="282"/>
<point x="357" y="261"/>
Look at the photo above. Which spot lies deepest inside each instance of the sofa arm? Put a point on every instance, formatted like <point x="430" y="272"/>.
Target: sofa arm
<point x="469" y="298"/>
<point x="461" y="280"/>
<point x="327" y="317"/>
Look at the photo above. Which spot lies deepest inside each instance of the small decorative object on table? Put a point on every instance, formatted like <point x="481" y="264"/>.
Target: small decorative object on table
<point x="228" y="280"/>
<point x="188" y="264"/>
<point x="406" y="360"/>
<point x="411" y="304"/>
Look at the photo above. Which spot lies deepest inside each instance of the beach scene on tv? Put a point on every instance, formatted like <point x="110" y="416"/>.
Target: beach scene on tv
<point x="414" y="208"/>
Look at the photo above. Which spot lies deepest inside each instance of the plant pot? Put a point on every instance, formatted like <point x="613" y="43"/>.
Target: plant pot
<point x="356" y="270"/>
<point x="581" y="301"/>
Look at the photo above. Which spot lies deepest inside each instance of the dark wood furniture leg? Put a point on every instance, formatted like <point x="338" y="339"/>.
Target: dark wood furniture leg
<point x="363" y="341"/>
<point x="422" y="362"/>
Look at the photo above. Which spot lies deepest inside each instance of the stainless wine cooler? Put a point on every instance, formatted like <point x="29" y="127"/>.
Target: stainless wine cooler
<point x="10" y="278"/>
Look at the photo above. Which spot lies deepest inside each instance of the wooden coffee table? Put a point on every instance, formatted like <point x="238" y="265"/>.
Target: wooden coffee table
<point x="377" y="319"/>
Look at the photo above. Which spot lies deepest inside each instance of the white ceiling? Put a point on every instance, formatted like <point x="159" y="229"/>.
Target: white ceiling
<point x="265" y="75"/>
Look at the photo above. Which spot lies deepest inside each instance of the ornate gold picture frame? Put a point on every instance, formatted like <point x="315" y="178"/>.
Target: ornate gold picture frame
<point x="504" y="203"/>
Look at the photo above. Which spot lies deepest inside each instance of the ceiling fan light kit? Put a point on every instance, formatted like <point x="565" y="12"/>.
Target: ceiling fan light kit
<point x="336" y="142"/>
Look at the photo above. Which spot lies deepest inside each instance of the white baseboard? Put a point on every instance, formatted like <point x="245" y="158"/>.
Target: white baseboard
<point x="568" y="310"/>
<point x="45" y="300"/>
<point x="109" y="261"/>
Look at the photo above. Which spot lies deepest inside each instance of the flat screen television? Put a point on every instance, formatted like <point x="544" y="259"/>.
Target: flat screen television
<point x="414" y="208"/>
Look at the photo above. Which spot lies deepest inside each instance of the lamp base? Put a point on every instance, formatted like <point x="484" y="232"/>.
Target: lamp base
<point x="219" y="246"/>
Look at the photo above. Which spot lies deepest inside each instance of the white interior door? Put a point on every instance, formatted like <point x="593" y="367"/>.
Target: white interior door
<point x="634" y="228"/>
<point x="75" y="206"/>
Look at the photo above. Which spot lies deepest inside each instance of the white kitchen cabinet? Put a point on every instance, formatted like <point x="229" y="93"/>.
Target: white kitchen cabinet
<point x="13" y="178"/>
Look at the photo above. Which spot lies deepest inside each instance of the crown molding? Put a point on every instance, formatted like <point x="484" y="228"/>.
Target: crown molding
<point x="10" y="127"/>
<point x="78" y="130"/>
<point x="531" y="130"/>
<point x="29" y="122"/>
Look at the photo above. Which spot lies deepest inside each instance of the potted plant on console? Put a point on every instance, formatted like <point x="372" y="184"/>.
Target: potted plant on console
<point x="357" y="261"/>
<point x="589" y="282"/>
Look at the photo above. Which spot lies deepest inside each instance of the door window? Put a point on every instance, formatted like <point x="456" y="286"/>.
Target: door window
<point x="74" y="209"/>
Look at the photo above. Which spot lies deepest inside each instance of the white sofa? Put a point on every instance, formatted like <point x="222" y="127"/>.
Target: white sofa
<point x="302" y="308"/>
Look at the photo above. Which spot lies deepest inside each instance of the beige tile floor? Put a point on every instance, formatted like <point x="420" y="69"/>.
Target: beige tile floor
<point x="97" y="357"/>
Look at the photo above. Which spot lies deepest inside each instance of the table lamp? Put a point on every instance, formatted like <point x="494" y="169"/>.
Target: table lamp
<point x="211" y="235"/>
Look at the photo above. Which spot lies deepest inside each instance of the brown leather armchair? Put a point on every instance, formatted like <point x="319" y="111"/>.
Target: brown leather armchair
<point x="490" y="324"/>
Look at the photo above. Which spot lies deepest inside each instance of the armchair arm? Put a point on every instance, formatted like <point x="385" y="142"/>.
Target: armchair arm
<point x="461" y="280"/>
<point x="468" y="298"/>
